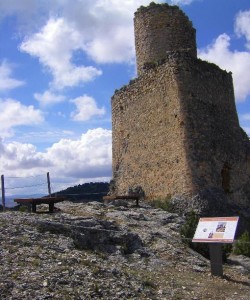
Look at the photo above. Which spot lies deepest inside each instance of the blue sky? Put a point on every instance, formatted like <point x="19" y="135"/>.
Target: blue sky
<point x="60" y="62"/>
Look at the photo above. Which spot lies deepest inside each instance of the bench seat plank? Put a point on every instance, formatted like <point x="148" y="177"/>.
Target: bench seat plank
<point x="37" y="201"/>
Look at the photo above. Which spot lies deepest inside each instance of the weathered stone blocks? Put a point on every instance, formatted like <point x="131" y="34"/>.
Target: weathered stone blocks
<point x="175" y="127"/>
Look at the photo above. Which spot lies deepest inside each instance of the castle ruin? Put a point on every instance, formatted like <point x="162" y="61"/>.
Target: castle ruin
<point x="176" y="131"/>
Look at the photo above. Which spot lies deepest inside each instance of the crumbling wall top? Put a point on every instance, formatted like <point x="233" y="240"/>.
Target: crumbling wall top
<point x="159" y="30"/>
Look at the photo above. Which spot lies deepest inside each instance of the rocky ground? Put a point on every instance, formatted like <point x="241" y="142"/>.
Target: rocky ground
<point x="92" y="251"/>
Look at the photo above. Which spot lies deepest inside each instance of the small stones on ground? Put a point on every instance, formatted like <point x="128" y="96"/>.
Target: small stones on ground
<point x="92" y="251"/>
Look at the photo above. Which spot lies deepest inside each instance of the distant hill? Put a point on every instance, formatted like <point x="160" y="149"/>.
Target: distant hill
<point x="92" y="191"/>
<point x="9" y="200"/>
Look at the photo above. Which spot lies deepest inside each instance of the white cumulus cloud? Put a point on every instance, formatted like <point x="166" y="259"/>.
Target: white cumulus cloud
<point x="102" y="29"/>
<point x="6" y="80"/>
<point x="86" y="108"/>
<point x="238" y="62"/>
<point x="84" y="159"/>
<point x="242" y="26"/>
<point x="14" y="113"/>
<point x="106" y="27"/>
<point x="21" y="156"/>
<point x="49" y="98"/>
<point x="54" y="46"/>
<point x="88" y="157"/>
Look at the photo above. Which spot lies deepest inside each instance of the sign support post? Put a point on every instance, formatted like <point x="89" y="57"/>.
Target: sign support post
<point x="216" y="231"/>
<point x="215" y="251"/>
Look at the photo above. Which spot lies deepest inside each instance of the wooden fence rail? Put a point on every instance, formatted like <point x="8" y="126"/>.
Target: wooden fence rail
<point x="3" y="189"/>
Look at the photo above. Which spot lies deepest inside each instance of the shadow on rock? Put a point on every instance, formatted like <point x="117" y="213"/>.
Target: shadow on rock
<point x="96" y="236"/>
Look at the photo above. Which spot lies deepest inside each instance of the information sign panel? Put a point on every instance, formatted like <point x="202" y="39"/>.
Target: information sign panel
<point x="216" y="230"/>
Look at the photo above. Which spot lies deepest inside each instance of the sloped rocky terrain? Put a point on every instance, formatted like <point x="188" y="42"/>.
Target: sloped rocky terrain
<point x="92" y="251"/>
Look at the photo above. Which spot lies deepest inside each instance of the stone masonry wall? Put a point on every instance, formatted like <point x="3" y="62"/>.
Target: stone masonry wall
<point x="214" y="137"/>
<point x="175" y="127"/>
<point x="148" y="136"/>
<point x="160" y="29"/>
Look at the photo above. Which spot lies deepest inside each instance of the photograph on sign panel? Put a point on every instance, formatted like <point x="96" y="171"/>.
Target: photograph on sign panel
<point x="218" y="235"/>
<point x="211" y="235"/>
<point x="221" y="227"/>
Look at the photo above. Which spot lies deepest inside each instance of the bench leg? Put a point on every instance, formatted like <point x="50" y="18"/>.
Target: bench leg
<point x="51" y="207"/>
<point x="33" y="207"/>
<point x="29" y="207"/>
<point x="137" y="202"/>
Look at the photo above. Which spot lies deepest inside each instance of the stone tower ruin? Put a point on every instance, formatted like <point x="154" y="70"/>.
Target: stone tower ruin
<point x="176" y="132"/>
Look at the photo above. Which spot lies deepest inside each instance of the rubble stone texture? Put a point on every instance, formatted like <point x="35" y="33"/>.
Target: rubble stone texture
<point x="136" y="253"/>
<point x="175" y="127"/>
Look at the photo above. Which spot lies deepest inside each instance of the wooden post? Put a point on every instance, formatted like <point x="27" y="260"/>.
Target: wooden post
<point x="3" y="191"/>
<point x="48" y="181"/>
<point x="51" y="207"/>
<point x="33" y="205"/>
<point x="215" y="251"/>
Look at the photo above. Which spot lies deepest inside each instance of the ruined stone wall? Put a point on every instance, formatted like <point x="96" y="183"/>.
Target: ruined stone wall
<point x="160" y="29"/>
<point x="175" y="127"/>
<point x="215" y="141"/>
<point x="148" y="136"/>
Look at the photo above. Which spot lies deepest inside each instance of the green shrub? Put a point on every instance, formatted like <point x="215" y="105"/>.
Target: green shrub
<point x="23" y="208"/>
<point x="242" y="245"/>
<point x="164" y="204"/>
<point x="189" y="227"/>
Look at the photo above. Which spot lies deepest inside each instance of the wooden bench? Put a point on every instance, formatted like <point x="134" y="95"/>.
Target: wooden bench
<point x="33" y="202"/>
<point x="135" y="197"/>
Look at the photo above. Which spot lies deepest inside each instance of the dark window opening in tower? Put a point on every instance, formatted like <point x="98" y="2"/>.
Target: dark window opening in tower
<point x="225" y="176"/>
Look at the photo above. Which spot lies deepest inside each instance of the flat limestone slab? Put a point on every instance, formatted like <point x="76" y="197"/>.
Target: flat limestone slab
<point x="107" y="199"/>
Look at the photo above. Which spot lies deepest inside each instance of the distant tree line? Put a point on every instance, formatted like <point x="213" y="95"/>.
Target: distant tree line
<point x="92" y="191"/>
